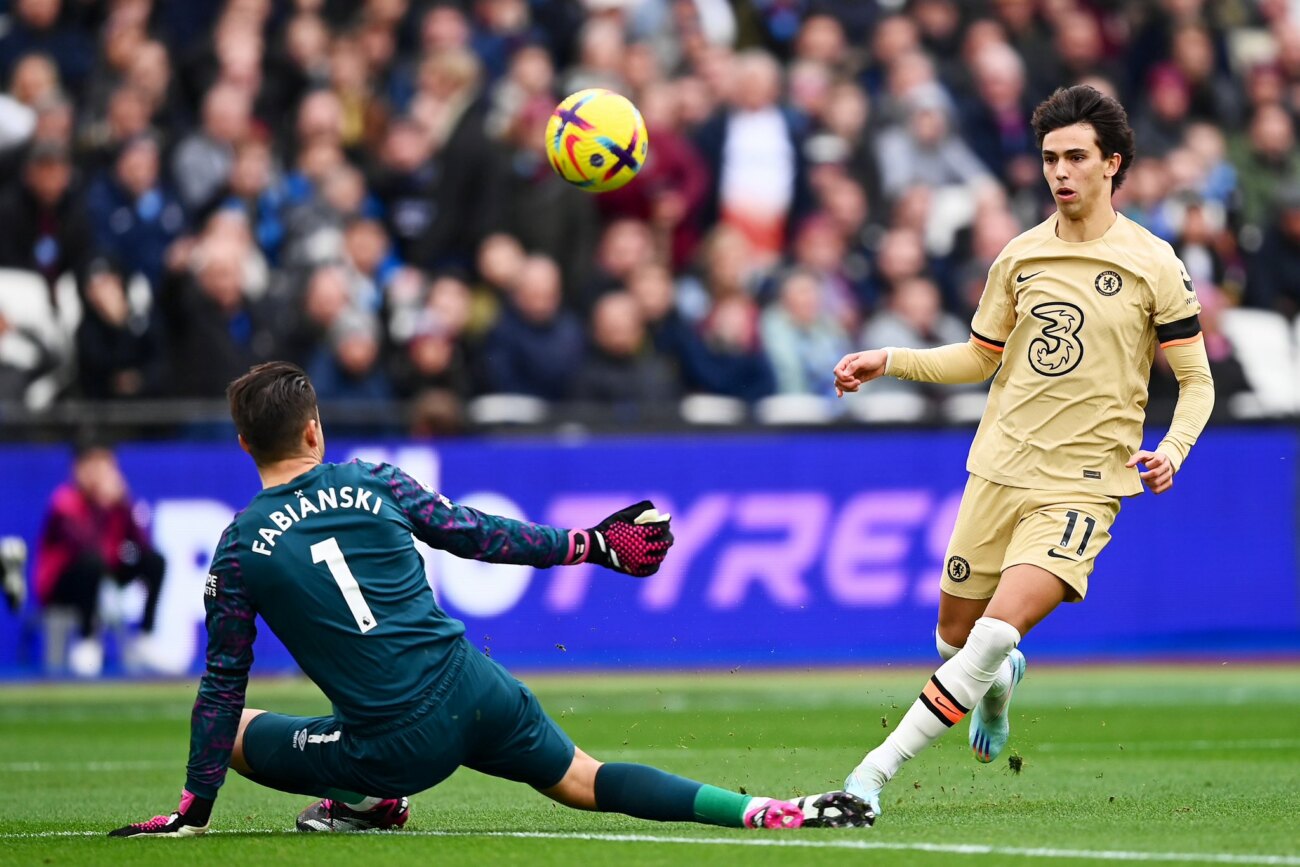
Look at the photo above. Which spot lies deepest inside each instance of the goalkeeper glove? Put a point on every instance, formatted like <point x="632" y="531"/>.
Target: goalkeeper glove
<point x="634" y="541"/>
<point x="190" y="820"/>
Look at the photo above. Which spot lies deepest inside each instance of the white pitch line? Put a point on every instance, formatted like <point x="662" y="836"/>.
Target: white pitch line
<point x="1168" y="746"/>
<point x="976" y="849"/>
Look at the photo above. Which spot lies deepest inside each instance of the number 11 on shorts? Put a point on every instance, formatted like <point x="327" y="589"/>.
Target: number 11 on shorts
<point x="1072" y="518"/>
<point x="329" y="552"/>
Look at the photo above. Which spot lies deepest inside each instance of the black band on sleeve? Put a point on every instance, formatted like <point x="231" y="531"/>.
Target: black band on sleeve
<point x="1182" y="329"/>
<point x="999" y="344"/>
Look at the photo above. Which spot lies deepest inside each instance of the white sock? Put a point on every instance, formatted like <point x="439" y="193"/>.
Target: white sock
<point x="364" y="805"/>
<point x="997" y="689"/>
<point x="947" y="698"/>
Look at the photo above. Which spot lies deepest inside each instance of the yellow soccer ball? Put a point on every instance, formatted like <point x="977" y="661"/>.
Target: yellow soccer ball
<point x="596" y="140"/>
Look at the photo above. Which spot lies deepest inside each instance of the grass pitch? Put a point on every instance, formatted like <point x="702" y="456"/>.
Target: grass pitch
<point x="1160" y="765"/>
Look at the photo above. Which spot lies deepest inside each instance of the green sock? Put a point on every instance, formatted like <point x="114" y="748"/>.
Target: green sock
<point x="714" y="806"/>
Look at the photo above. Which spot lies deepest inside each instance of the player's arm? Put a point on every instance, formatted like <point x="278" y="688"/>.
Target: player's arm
<point x="633" y="540"/>
<point x="973" y="361"/>
<point x="1184" y="346"/>
<point x="956" y="363"/>
<point x="214" y="721"/>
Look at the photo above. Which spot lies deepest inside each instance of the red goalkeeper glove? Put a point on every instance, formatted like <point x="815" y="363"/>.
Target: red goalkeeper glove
<point x="634" y="541"/>
<point x="190" y="820"/>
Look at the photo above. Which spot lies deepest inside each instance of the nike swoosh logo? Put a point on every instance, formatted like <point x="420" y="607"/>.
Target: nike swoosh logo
<point x="1051" y="552"/>
<point x="946" y="706"/>
<point x="1020" y="278"/>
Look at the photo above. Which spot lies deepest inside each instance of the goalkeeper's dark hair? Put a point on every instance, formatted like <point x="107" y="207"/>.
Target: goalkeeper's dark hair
<point x="270" y="405"/>
<point x="1085" y="104"/>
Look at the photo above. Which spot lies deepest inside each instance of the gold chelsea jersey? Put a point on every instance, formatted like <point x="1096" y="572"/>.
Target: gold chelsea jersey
<point x="1076" y="325"/>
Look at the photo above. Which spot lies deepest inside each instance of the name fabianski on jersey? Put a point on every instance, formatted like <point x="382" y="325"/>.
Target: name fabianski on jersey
<point x="345" y="497"/>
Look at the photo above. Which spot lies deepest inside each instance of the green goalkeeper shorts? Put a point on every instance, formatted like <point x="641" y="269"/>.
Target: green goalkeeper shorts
<point x="480" y="717"/>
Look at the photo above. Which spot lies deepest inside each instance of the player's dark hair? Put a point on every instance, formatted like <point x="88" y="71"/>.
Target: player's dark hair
<point x="270" y="406"/>
<point x="1084" y="104"/>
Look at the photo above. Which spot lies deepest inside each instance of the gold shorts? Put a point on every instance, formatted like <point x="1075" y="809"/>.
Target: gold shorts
<point x="999" y="527"/>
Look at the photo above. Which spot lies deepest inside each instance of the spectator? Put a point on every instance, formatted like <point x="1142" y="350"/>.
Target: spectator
<point x="256" y="190"/>
<point x="995" y="120"/>
<point x="537" y="347"/>
<point x="549" y="216"/>
<point x="363" y="115"/>
<point x="625" y="246"/>
<point x="133" y="215"/>
<point x="1213" y="96"/>
<point x="925" y="150"/>
<point x="754" y="154"/>
<point x="150" y="74"/>
<point x="405" y="180"/>
<point x="802" y="342"/>
<point x="434" y="358"/>
<point x="601" y="49"/>
<point x="450" y="106"/>
<point x="118" y="351"/>
<point x="901" y="256"/>
<point x="214" y="331"/>
<point x="34" y="79"/>
<point x="47" y="231"/>
<point x="347" y="367"/>
<point x="821" y="251"/>
<point x="670" y="190"/>
<point x="1266" y="160"/>
<point x="203" y="160"/>
<point x="623" y="370"/>
<point x="1274" y="277"/>
<point x="1162" y="120"/>
<point x="725" y="355"/>
<point x="92" y="532"/>
<point x="913" y="317"/>
<point x="35" y="28"/>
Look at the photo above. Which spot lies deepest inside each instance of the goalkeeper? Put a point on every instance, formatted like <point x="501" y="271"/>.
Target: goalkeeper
<point x="325" y="555"/>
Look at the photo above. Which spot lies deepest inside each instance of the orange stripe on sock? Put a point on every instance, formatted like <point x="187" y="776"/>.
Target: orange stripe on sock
<point x="942" y="703"/>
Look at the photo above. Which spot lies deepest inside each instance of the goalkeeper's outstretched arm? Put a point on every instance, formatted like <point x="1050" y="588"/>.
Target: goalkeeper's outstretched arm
<point x="954" y="364"/>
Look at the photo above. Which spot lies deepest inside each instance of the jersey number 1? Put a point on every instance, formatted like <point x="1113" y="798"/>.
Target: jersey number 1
<point x="329" y="553"/>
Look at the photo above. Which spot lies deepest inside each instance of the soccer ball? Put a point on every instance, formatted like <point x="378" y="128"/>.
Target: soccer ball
<point x="596" y="140"/>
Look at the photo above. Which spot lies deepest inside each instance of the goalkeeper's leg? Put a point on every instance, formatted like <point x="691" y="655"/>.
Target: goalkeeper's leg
<point x="278" y="755"/>
<point x="1025" y="595"/>
<point x="510" y="736"/>
<point x="649" y="793"/>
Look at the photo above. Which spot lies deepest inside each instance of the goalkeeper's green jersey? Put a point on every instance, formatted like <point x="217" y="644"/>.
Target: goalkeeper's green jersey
<point x="328" y="562"/>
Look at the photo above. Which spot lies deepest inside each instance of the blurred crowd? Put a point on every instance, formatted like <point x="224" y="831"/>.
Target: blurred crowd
<point x="360" y="186"/>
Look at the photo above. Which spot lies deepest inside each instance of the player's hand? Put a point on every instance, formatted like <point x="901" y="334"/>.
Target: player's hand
<point x="634" y="541"/>
<point x="190" y="820"/>
<point x="1159" y="475"/>
<point x="859" y="367"/>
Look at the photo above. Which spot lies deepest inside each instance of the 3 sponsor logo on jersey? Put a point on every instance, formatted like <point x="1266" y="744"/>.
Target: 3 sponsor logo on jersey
<point x="1108" y="283"/>
<point x="1057" y="349"/>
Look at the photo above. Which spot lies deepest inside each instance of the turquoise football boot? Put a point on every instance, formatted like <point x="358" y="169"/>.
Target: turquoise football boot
<point x="989" y="733"/>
